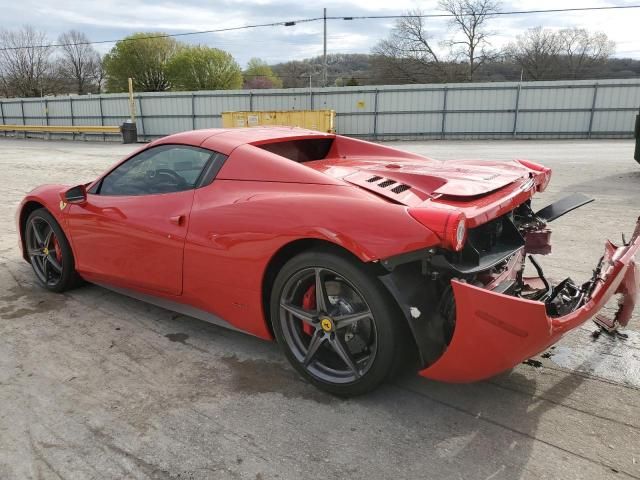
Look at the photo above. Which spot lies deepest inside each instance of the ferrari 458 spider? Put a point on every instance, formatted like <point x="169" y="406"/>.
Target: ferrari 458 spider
<point x="358" y="258"/>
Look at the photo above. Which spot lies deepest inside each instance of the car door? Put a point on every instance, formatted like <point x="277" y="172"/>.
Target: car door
<point x="132" y="229"/>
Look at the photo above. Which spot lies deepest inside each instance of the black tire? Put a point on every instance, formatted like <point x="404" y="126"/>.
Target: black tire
<point x="49" y="252"/>
<point x="373" y="362"/>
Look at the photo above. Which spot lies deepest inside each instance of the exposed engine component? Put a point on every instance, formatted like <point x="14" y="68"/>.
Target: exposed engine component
<point x="494" y="256"/>
<point x="533" y="229"/>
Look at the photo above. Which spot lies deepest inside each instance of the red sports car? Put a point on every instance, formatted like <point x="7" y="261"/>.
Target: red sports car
<point x="358" y="258"/>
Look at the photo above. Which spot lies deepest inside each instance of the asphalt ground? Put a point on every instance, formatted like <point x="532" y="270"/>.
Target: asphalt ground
<point x="97" y="385"/>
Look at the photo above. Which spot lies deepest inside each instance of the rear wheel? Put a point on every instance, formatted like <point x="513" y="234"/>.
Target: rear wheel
<point x="336" y="323"/>
<point x="49" y="252"/>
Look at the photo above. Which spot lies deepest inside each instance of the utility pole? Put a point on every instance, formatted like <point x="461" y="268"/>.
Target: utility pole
<point x="324" y="58"/>
<point x="132" y="104"/>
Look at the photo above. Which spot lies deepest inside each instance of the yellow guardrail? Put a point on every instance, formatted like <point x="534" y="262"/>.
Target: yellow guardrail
<point x="60" y="128"/>
<point x="320" y="120"/>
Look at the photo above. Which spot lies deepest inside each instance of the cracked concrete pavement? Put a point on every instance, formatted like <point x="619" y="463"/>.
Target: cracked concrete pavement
<point x="97" y="385"/>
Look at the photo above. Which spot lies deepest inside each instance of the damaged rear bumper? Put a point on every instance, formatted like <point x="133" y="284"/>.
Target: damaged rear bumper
<point x="495" y="332"/>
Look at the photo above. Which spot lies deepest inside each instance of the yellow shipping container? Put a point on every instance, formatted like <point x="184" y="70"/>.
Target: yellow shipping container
<point x="320" y="120"/>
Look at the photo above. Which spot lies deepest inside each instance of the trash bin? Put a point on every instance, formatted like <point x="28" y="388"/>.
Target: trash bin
<point x="636" y="154"/>
<point x="129" y="132"/>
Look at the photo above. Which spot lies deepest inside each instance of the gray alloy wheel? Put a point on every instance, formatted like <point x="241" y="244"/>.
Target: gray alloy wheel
<point x="337" y="325"/>
<point x="333" y="336"/>
<point x="49" y="252"/>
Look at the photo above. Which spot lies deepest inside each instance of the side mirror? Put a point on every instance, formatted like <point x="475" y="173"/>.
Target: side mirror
<point x="76" y="195"/>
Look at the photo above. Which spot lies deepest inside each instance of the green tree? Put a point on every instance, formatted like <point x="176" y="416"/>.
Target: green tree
<point x="204" y="68"/>
<point x="143" y="59"/>
<point x="259" y="75"/>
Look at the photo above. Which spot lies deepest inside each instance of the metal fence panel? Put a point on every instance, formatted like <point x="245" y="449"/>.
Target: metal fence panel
<point x="614" y="122"/>
<point x="472" y="99"/>
<point x="12" y="112"/>
<point x="475" y="123"/>
<point x="115" y="109"/>
<point x="410" y="100"/>
<point x="170" y="106"/>
<point x="553" y="123"/>
<point x="34" y="112"/>
<point x="208" y="122"/>
<point x="86" y="106"/>
<point x="556" y="98"/>
<point x="565" y="109"/>
<point x="618" y="97"/>
<point x="60" y="112"/>
<point x="357" y="125"/>
<point x="291" y="100"/>
<point x="394" y="125"/>
<point x="352" y="102"/>
<point x="86" y="110"/>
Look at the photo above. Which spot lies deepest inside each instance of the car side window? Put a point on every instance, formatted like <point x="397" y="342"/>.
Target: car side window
<point x="163" y="169"/>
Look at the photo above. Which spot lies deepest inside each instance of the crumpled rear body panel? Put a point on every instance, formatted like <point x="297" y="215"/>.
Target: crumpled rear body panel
<point x="495" y="332"/>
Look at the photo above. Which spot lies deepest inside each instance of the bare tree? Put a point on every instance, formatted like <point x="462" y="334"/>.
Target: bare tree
<point x="470" y="18"/>
<point x="78" y="60"/>
<point x="537" y="53"/>
<point x="582" y="50"/>
<point x="294" y="74"/>
<point x="99" y="75"/>
<point x="25" y="66"/>
<point x="409" y="50"/>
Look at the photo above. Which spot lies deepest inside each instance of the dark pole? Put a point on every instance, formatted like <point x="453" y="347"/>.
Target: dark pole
<point x="636" y="153"/>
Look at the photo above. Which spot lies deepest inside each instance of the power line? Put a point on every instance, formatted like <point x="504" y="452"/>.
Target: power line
<point x="517" y="12"/>
<point x="168" y="35"/>
<point x="290" y="23"/>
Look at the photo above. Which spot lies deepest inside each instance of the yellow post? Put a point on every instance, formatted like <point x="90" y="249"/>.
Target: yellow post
<point x="132" y="105"/>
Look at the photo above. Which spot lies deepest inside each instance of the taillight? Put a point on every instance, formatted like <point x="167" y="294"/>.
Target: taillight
<point x="457" y="231"/>
<point x="542" y="174"/>
<point x="449" y="225"/>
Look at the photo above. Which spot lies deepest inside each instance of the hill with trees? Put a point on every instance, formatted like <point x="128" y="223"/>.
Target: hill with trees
<point x="33" y="65"/>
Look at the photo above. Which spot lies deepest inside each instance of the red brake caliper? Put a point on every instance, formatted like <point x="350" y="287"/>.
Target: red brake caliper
<point x="309" y="303"/>
<point x="57" y="248"/>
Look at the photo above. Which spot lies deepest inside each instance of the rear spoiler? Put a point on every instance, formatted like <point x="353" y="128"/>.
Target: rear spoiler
<point x="565" y="205"/>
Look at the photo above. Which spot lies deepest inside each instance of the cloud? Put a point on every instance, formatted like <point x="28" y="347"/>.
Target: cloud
<point x="112" y="19"/>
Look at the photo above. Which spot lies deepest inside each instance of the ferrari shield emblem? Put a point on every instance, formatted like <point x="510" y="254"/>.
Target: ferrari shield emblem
<point x="326" y="325"/>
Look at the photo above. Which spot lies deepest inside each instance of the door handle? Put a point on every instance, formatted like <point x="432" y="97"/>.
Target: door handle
<point x="177" y="220"/>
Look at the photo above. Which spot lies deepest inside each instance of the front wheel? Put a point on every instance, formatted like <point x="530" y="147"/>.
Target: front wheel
<point x="337" y="325"/>
<point x="49" y="252"/>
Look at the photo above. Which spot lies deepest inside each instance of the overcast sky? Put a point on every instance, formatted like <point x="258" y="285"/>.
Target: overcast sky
<point x="112" y="19"/>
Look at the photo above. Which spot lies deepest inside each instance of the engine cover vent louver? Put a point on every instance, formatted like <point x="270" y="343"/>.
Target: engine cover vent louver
<point x="374" y="179"/>
<point x="406" y="190"/>
<point x="400" y="188"/>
